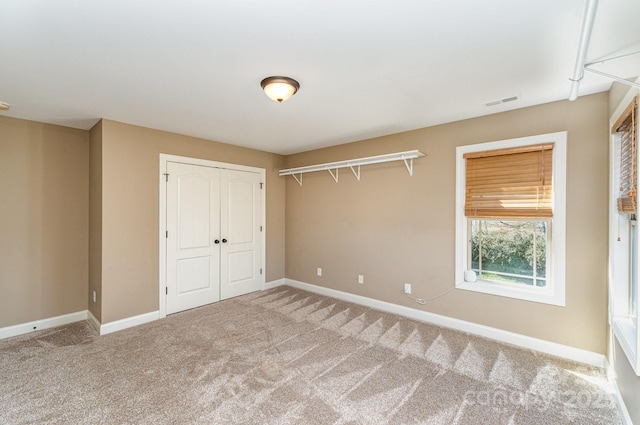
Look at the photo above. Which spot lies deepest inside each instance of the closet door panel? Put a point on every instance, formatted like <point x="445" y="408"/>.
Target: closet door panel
<point x="193" y="224"/>
<point x="240" y="214"/>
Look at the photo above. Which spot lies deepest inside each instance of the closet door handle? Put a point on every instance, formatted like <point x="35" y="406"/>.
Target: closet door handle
<point x="224" y="241"/>
<point x="216" y="241"/>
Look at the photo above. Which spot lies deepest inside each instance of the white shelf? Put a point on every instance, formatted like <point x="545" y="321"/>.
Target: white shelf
<point x="354" y="165"/>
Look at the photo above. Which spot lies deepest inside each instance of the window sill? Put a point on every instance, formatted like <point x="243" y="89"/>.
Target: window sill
<point x="539" y="296"/>
<point x="626" y="332"/>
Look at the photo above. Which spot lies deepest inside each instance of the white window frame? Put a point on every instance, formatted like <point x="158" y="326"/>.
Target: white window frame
<point x="554" y="292"/>
<point x="625" y="328"/>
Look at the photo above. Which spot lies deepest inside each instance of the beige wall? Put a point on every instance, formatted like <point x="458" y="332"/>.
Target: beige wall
<point x="130" y="212"/>
<point x="44" y="170"/>
<point x="95" y="220"/>
<point x="393" y="228"/>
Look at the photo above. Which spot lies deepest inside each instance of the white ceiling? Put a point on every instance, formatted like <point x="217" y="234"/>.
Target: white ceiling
<point x="366" y="67"/>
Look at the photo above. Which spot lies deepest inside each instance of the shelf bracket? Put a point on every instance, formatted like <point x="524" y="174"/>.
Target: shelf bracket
<point x="298" y="179"/>
<point x="335" y="176"/>
<point x="409" y="164"/>
<point x="355" y="173"/>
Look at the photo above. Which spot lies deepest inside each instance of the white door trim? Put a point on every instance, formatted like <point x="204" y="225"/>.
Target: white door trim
<point x="162" y="224"/>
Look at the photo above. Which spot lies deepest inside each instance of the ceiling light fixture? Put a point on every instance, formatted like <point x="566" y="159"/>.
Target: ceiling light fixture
<point x="4" y="106"/>
<point x="279" y="88"/>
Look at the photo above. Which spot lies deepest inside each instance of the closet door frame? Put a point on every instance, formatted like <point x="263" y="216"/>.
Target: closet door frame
<point x="162" y="227"/>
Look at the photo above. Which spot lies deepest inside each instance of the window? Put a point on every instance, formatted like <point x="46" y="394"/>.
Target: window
<point x="623" y="230"/>
<point x="510" y="218"/>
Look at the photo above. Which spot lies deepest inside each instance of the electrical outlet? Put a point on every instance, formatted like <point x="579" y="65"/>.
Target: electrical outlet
<point x="360" y="279"/>
<point x="319" y="271"/>
<point x="407" y="288"/>
<point x="94" y="296"/>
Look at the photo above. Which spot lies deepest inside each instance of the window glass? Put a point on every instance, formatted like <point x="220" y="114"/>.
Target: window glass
<point x="510" y="251"/>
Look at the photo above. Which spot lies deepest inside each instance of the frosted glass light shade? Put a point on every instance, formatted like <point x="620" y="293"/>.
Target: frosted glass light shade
<point x="279" y="88"/>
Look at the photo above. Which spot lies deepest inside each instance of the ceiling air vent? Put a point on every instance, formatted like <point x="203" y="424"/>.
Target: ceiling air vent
<point x="500" y="101"/>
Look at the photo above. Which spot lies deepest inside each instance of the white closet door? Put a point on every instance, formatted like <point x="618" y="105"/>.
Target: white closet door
<point x="240" y="213"/>
<point x="193" y="225"/>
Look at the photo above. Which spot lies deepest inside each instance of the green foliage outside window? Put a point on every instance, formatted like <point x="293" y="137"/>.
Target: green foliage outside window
<point x="503" y="248"/>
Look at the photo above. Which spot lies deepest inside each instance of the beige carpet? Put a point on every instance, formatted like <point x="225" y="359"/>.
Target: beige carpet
<point x="286" y="356"/>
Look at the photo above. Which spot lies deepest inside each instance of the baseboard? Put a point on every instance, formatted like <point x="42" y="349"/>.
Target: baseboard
<point x="555" y="349"/>
<point x="129" y="322"/>
<point x="38" y="325"/>
<point x="622" y="407"/>
<point x="95" y="323"/>
<point x="102" y="329"/>
<point x="275" y="283"/>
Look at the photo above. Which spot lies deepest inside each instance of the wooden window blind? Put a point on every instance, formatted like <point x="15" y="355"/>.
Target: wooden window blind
<point x="510" y="183"/>
<point x="626" y="128"/>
